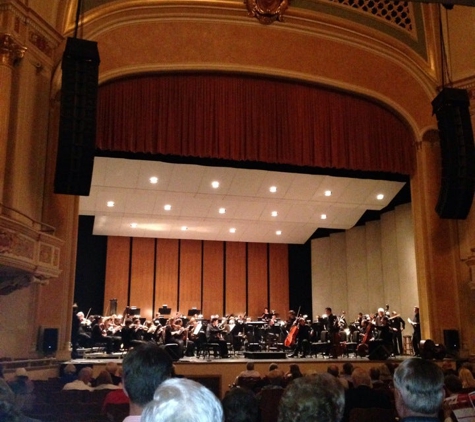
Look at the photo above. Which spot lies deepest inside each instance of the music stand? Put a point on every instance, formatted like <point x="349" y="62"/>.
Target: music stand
<point x="193" y="312"/>
<point x="165" y="310"/>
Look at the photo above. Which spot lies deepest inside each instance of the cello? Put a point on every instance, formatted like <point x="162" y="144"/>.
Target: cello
<point x="294" y="330"/>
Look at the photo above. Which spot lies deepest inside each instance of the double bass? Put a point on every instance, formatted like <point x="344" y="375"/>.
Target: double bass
<point x="294" y="330"/>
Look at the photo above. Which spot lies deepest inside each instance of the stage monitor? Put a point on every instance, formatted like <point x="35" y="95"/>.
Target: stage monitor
<point x="194" y="311"/>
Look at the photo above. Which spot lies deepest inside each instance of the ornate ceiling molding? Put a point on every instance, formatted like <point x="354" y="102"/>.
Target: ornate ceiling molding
<point x="267" y="11"/>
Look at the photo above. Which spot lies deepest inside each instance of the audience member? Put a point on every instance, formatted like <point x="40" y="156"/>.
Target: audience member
<point x="453" y="387"/>
<point x="419" y="390"/>
<point x="69" y="374"/>
<point x="83" y="381"/>
<point x="240" y="405"/>
<point x="6" y="393"/>
<point x="362" y="395"/>
<point x="466" y="377"/>
<point x="312" y="398"/>
<point x="374" y="374"/>
<point x="114" y="397"/>
<point x="143" y="370"/>
<point x="183" y="400"/>
<point x="104" y="382"/>
<point x="293" y="373"/>
<point x="347" y="369"/>
<point x="113" y="369"/>
<point x="22" y="388"/>
<point x="249" y="372"/>
<point x="335" y="371"/>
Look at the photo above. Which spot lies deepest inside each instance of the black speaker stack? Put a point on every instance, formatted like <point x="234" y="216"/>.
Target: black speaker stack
<point x="77" y="125"/>
<point x="451" y="106"/>
<point x="50" y="341"/>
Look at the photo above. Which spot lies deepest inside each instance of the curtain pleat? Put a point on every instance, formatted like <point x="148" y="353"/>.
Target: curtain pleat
<point x="244" y="118"/>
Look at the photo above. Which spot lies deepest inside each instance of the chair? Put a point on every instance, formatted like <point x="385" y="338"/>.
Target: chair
<point x="269" y="404"/>
<point x="117" y="412"/>
<point x="248" y="383"/>
<point x="372" y="414"/>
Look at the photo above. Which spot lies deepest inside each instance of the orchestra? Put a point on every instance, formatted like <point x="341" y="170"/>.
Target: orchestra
<point x="297" y="334"/>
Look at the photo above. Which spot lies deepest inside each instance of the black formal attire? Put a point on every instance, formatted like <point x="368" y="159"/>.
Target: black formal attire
<point x="398" y="324"/>
<point x="302" y="344"/>
<point x="98" y="337"/>
<point x="416" y="335"/>
<point x="333" y="328"/>
<point x="213" y="335"/>
<point x="174" y="337"/>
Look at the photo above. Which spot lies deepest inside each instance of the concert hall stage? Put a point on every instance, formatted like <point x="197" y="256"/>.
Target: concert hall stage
<point x="218" y="374"/>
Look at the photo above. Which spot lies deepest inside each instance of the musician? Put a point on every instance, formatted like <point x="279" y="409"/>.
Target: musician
<point x="386" y="334"/>
<point x="342" y="321"/>
<point x="213" y="335"/>
<point x="333" y="328"/>
<point x="291" y="317"/>
<point x="302" y="344"/>
<point x="416" y="335"/>
<point x="398" y="325"/>
<point x="99" y="335"/>
<point x="174" y="334"/>
<point x="378" y="319"/>
<point x="266" y="315"/>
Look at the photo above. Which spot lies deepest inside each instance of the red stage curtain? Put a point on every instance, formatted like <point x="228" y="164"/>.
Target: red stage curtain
<point x="243" y="118"/>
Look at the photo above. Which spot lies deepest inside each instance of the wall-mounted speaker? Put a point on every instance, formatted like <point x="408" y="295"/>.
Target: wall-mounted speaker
<point x="451" y="106"/>
<point x="77" y="124"/>
<point x="50" y="340"/>
<point x="452" y="340"/>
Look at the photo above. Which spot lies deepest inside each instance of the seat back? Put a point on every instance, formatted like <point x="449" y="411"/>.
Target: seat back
<point x="372" y="414"/>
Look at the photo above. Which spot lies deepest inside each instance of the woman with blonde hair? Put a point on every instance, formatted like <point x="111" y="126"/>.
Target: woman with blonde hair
<point x="466" y="377"/>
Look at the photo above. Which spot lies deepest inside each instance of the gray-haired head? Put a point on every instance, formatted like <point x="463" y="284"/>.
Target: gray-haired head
<point x="419" y="387"/>
<point x="183" y="400"/>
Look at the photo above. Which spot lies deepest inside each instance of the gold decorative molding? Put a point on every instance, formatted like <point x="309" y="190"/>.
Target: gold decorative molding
<point x="28" y="254"/>
<point x="267" y="11"/>
<point x="10" y="51"/>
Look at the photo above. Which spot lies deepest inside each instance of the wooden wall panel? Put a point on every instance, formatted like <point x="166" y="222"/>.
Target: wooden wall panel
<point x="166" y="280"/>
<point x="213" y="279"/>
<point x="257" y="279"/>
<point x="279" y="278"/>
<point x="117" y="272"/>
<point x="235" y="278"/>
<point x="190" y="275"/>
<point x="142" y="276"/>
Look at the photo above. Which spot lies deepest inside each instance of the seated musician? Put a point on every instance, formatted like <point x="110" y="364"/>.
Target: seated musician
<point x="213" y="335"/>
<point x="175" y="334"/>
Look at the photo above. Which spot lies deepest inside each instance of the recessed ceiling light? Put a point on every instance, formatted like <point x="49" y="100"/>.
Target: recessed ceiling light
<point x="323" y="216"/>
<point x="133" y="225"/>
<point x="215" y="184"/>
<point x="328" y="193"/>
<point x="167" y="207"/>
<point x="222" y="210"/>
<point x="278" y="232"/>
<point x="110" y="204"/>
<point x="232" y="230"/>
<point x="274" y="213"/>
<point x="184" y="228"/>
<point x="273" y="189"/>
<point x="154" y="179"/>
<point x="380" y="197"/>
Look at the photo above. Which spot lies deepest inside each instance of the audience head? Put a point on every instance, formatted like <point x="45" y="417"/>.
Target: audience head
<point x="104" y="378"/>
<point x="112" y="367"/>
<point x="69" y="369"/>
<point x="333" y="370"/>
<point x="453" y="384"/>
<point x="360" y="377"/>
<point x="183" y="400"/>
<point x="273" y="366"/>
<point x="347" y="368"/>
<point x="240" y="405"/>
<point x="419" y="388"/>
<point x="374" y="373"/>
<point x="85" y="375"/>
<point x="317" y="397"/>
<point x="250" y="366"/>
<point x="466" y="377"/>
<point x="294" y="370"/>
<point x="143" y="370"/>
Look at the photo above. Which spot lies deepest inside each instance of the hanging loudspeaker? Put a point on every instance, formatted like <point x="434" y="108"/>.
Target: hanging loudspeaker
<point x="77" y="124"/>
<point x="451" y="106"/>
